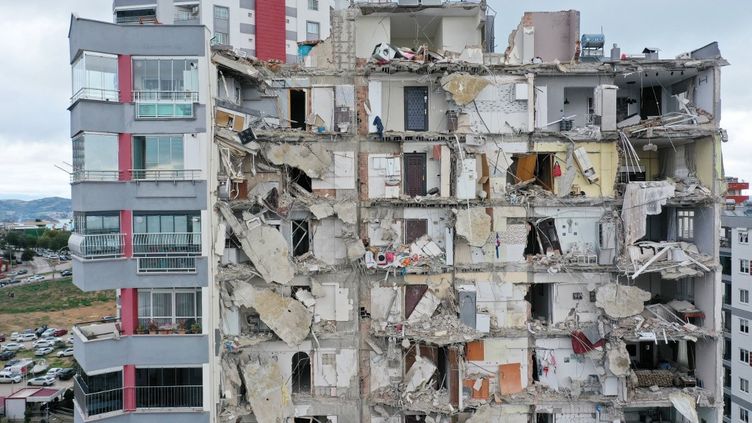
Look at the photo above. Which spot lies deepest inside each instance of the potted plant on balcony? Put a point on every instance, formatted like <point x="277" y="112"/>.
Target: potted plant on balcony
<point x="181" y="327"/>
<point x="196" y="328"/>
<point x="152" y="326"/>
<point x="142" y="330"/>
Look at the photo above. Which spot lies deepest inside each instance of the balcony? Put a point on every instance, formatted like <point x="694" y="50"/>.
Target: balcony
<point x="97" y="246"/>
<point x="101" y="345"/>
<point x="142" y="272"/>
<point x="98" y="94"/>
<point x="96" y="403"/>
<point x="182" y="396"/>
<point x="164" y="104"/>
<point x="138" y="175"/>
<point x="150" y="190"/>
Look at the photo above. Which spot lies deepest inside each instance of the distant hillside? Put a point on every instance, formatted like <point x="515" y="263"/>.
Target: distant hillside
<point x="49" y="208"/>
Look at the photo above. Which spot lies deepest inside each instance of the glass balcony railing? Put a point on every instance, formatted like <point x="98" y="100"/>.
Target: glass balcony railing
<point x="94" y="403"/>
<point x="97" y="246"/>
<point x="96" y="94"/>
<point x="166" y="243"/>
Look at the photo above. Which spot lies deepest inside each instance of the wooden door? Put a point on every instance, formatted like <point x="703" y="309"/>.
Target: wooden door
<point x="415" y="174"/>
<point x="416" y="108"/>
<point x="414" y="229"/>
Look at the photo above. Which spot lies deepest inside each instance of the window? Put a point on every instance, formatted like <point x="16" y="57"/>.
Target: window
<point x="102" y="223"/>
<point x="95" y="77"/>
<point x="301" y="373"/>
<point x="744" y="296"/>
<point x="169" y="308"/>
<point x="743" y="237"/>
<point x="166" y="234"/>
<point x="95" y="157"/>
<point x="313" y="30"/>
<point x="165" y="87"/>
<point x="685" y="224"/>
<point x="313" y="4"/>
<point x="152" y="153"/>
<point x="743" y="265"/>
<point x="743" y="385"/>
<point x="743" y="415"/>
<point x="300" y="237"/>
<point x="743" y="355"/>
<point x="169" y="387"/>
<point x="136" y="16"/>
<point x="221" y="25"/>
<point x="743" y="325"/>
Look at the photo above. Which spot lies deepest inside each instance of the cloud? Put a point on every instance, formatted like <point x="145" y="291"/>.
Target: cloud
<point x="30" y="168"/>
<point x="738" y="150"/>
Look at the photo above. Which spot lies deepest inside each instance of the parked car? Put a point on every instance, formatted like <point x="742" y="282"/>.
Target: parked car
<point x="25" y="337"/>
<point x="22" y="272"/>
<point x="54" y="371"/>
<point x="14" y="336"/>
<point x="5" y="281"/>
<point x="43" y="343"/>
<point x="66" y="373"/>
<point x="70" y="339"/>
<point x="40" y="330"/>
<point x="8" y="377"/>
<point x="47" y="333"/>
<point x="2" y="337"/>
<point x="59" y="332"/>
<point x="108" y="318"/>
<point x="42" y="381"/>
<point x="12" y="363"/>
<point x="35" y="278"/>
<point x="66" y="273"/>
<point x="41" y="352"/>
<point x="12" y="346"/>
<point x="7" y="355"/>
<point x="68" y="352"/>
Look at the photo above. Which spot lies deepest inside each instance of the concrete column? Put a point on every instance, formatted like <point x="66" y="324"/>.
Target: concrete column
<point x="129" y="310"/>
<point x="125" y="157"/>
<point x="129" y="387"/>
<point x="126" y="227"/>
<point x="125" y="78"/>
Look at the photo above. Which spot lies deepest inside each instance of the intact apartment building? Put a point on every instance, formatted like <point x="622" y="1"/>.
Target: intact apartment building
<point x="735" y="252"/>
<point x="404" y="225"/>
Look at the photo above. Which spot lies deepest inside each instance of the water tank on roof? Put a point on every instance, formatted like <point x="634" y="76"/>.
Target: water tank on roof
<point x="593" y="40"/>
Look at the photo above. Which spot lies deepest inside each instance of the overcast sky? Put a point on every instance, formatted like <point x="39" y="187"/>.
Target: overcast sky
<point x="35" y="84"/>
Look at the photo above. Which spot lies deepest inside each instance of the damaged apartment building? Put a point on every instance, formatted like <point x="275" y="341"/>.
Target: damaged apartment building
<point x="407" y="226"/>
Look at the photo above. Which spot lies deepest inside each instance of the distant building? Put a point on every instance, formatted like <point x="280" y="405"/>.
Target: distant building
<point x="735" y="189"/>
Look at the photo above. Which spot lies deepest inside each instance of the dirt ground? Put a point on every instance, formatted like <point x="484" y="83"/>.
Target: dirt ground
<point x="59" y="319"/>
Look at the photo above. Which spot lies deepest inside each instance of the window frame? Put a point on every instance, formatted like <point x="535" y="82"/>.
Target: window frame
<point x="743" y="326"/>
<point x="744" y="385"/>
<point x="743" y="296"/>
<point x="173" y="319"/>
<point x="743" y="237"/>
<point x="220" y="37"/>
<point x="318" y="30"/>
<point x="744" y="356"/>
<point x="744" y="266"/>
<point x="743" y="414"/>
<point x="685" y="224"/>
<point x="315" y="3"/>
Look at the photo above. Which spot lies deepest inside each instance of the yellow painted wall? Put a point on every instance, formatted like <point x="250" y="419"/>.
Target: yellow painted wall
<point x="603" y="156"/>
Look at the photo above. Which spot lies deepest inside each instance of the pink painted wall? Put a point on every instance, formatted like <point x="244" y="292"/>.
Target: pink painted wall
<point x="125" y="158"/>
<point x="129" y="385"/>
<point x="125" y="78"/>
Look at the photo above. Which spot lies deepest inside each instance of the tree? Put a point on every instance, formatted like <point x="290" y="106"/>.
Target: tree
<point x="27" y="255"/>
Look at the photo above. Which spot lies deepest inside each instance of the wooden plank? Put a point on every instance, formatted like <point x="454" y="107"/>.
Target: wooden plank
<point x="474" y="351"/>
<point x="526" y="167"/>
<point x="509" y="378"/>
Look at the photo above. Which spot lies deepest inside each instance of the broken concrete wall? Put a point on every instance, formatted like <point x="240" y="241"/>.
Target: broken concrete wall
<point x="393" y="103"/>
<point x="335" y="368"/>
<point x="573" y="301"/>
<point x="619" y="301"/>
<point x="266" y="390"/>
<point x="473" y="224"/>
<point x="561" y="368"/>
<point x="496" y="352"/>
<point x="500" y="303"/>
<point x="502" y="107"/>
<point x="287" y="317"/>
<point x="312" y="158"/>
<point x="265" y="246"/>
<point x="603" y="156"/>
<point x="384" y="175"/>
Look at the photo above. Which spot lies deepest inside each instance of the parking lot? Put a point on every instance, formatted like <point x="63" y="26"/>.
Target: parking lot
<point x="51" y="358"/>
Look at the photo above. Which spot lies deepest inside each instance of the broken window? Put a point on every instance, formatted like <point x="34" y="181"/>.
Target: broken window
<point x="650" y="102"/>
<point x="297" y="109"/>
<point x="300" y="237"/>
<point x="255" y="324"/>
<point x="312" y="419"/>
<point x="541" y="301"/>
<point x="535" y="169"/>
<point x="542" y="238"/>
<point x="416" y="108"/>
<point x="674" y="356"/>
<point x="436" y="355"/>
<point x="299" y="177"/>
<point x="414" y="229"/>
<point x="301" y="373"/>
<point x="685" y="220"/>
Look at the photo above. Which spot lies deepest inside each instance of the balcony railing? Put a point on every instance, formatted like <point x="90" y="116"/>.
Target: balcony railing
<point x="164" y="104"/>
<point x="136" y="175"/>
<point x="97" y="246"/>
<point x="166" y="265"/>
<point x="169" y="396"/>
<point x="96" y="94"/>
<point x="165" y="174"/>
<point x="167" y="243"/>
<point x="94" y="403"/>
